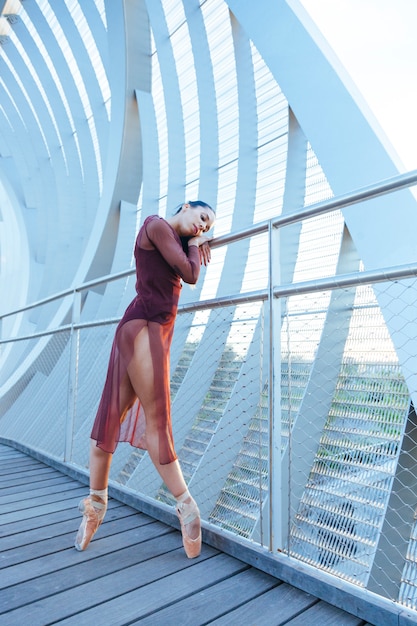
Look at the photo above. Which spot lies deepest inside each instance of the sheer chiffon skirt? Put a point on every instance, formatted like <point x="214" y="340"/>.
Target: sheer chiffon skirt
<point x="121" y="418"/>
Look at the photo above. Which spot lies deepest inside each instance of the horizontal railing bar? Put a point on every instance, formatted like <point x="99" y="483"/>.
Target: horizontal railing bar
<point x="60" y="329"/>
<point x="68" y="292"/>
<point x="375" y="190"/>
<point x="216" y="303"/>
<point x="381" y="188"/>
<point x="254" y="296"/>
<point x="334" y="282"/>
<point x="107" y="279"/>
<point x="347" y="280"/>
<point x="41" y="333"/>
<point x="94" y="323"/>
<point x="56" y="296"/>
<point x="388" y="185"/>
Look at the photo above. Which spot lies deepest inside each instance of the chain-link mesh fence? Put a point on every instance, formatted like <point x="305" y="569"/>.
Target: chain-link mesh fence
<point x="343" y="419"/>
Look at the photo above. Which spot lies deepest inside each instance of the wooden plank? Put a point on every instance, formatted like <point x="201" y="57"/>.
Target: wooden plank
<point x="323" y="614"/>
<point x="142" y="578"/>
<point x="49" y="518"/>
<point x="48" y="506"/>
<point x="56" y="479"/>
<point x="163" y="581"/>
<point x="43" y="493"/>
<point x="218" y="599"/>
<point x="23" y="462"/>
<point x="276" y="606"/>
<point x="18" y="465"/>
<point x="87" y="571"/>
<point x="16" y="470"/>
<point x="67" y="556"/>
<point x="71" y="497"/>
<point x="52" y="525"/>
<point x="30" y="493"/>
<point x="20" y="478"/>
<point x="38" y="547"/>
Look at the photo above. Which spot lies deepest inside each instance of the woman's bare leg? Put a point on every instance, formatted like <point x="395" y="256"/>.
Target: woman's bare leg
<point x="140" y="372"/>
<point x="94" y="506"/>
<point x="100" y="462"/>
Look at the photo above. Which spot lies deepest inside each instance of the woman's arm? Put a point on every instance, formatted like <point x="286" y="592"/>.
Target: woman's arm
<point x="161" y="235"/>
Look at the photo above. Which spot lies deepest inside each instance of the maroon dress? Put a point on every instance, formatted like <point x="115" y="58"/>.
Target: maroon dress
<point x="161" y="263"/>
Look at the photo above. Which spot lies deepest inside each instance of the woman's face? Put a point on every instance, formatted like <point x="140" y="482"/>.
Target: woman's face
<point x="196" y="221"/>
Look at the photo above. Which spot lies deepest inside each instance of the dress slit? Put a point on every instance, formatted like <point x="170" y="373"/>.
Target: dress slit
<point x="115" y="423"/>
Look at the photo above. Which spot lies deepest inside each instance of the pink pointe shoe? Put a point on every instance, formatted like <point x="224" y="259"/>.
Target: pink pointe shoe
<point x="187" y="512"/>
<point x="93" y="509"/>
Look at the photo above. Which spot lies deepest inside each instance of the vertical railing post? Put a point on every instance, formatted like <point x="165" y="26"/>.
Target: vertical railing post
<point x="72" y="375"/>
<point x="263" y="373"/>
<point x="274" y="390"/>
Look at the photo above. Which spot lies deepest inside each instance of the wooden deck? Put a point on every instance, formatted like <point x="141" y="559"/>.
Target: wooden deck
<point x="134" y="572"/>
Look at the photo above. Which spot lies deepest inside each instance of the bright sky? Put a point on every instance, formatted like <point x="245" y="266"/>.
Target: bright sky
<point x="376" y="42"/>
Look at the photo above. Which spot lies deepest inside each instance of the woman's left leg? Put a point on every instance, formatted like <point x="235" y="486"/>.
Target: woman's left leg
<point x="141" y="376"/>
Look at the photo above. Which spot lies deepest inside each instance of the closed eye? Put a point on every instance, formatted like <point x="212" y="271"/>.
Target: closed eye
<point x="204" y="218"/>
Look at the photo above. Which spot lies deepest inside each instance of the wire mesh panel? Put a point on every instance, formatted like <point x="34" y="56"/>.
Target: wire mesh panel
<point x="338" y="520"/>
<point x="241" y="500"/>
<point x="42" y="388"/>
<point x="94" y="345"/>
<point x="211" y="422"/>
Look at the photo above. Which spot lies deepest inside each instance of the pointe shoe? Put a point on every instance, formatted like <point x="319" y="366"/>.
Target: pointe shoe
<point x="187" y="512"/>
<point x="93" y="509"/>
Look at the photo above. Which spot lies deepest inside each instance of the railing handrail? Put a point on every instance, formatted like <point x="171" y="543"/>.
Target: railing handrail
<point x="338" y="281"/>
<point x="395" y="183"/>
<point x="389" y="185"/>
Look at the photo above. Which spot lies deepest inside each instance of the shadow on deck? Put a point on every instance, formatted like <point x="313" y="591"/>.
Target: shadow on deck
<point x="135" y="570"/>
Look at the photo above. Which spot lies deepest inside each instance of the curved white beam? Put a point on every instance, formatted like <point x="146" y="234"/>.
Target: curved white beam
<point x="350" y="148"/>
<point x="173" y="105"/>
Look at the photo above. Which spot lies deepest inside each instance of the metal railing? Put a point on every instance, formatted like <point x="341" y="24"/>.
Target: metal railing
<point x="305" y="447"/>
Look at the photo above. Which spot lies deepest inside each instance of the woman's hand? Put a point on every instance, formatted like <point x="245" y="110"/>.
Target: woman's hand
<point x="205" y="253"/>
<point x="204" y="248"/>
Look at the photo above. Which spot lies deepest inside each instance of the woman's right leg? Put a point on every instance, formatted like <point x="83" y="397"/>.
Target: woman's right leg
<point x="100" y="462"/>
<point x="94" y="506"/>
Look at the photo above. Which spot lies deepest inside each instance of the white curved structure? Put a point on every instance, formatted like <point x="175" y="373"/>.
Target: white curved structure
<point x="111" y="110"/>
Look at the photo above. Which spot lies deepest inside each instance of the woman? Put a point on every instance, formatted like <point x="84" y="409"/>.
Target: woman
<point x="135" y="405"/>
